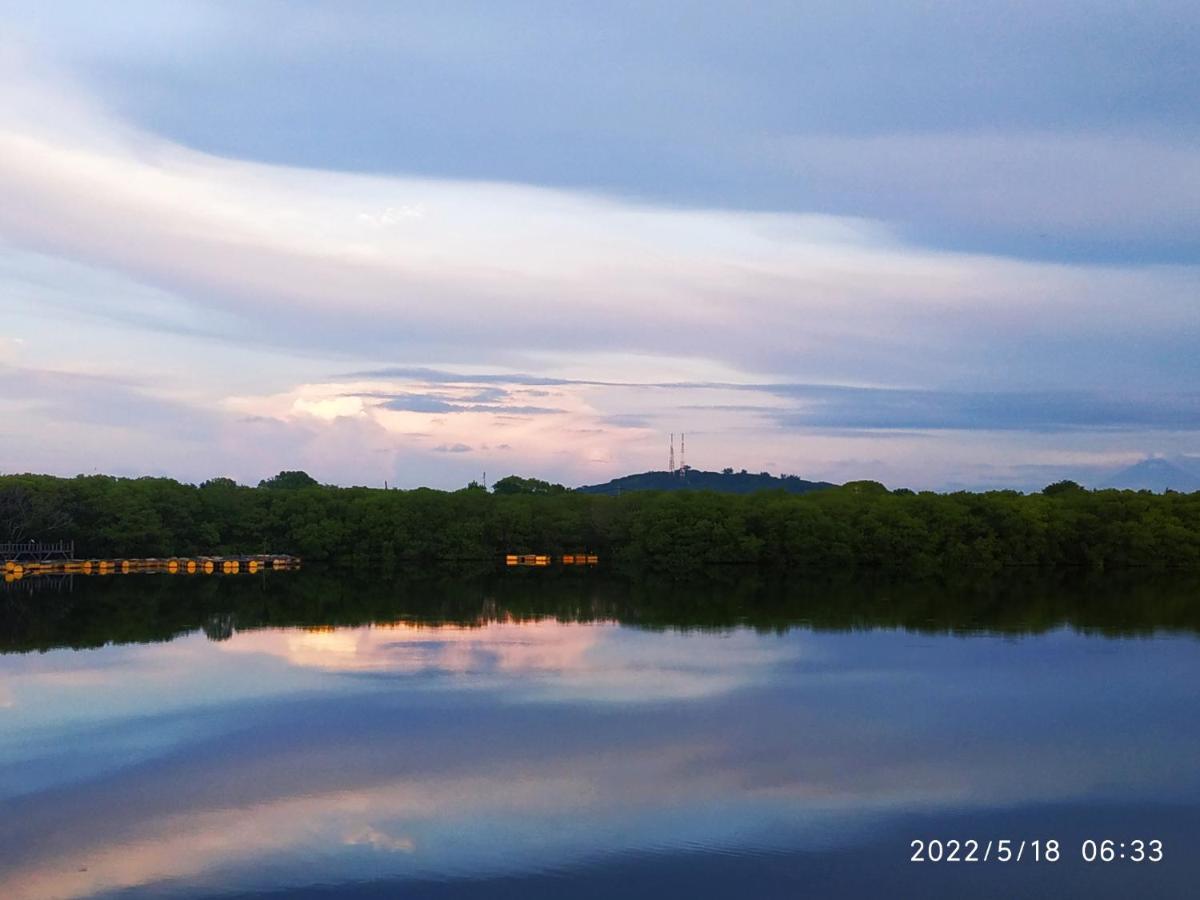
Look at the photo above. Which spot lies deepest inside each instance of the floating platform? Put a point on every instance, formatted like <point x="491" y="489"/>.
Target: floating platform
<point x="174" y="565"/>
<point x="541" y="560"/>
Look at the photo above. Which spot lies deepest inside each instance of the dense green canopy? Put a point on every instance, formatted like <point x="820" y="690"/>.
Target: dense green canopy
<point x="860" y="524"/>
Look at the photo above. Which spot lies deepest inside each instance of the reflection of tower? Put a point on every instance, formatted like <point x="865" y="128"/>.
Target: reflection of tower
<point x="671" y="463"/>
<point x="682" y="454"/>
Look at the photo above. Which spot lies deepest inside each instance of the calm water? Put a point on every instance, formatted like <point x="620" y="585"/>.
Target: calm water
<point x="304" y="735"/>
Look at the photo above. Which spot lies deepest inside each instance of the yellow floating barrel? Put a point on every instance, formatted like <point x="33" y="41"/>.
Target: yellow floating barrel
<point x="173" y="565"/>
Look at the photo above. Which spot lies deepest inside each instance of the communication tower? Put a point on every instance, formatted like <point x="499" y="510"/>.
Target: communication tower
<point x="671" y="462"/>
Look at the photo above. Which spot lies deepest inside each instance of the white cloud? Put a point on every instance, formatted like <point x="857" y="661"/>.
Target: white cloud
<point x="488" y="269"/>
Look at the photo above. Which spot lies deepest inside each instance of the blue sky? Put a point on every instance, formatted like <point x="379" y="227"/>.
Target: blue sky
<point x="929" y="243"/>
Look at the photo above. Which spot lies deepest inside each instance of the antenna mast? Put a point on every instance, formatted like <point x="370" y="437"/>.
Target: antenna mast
<point x="682" y="452"/>
<point x="671" y="464"/>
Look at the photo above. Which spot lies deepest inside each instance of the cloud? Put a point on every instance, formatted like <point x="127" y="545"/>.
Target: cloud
<point x="848" y="408"/>
<point x="427" y="404"/>
<point x="439" y="376"/>
<point x="626" y="420"/>
<point x="1068" y="97"/>
<point x="417" y="403"/>
<point x="495" y="271"/>
<point x="842" y="407"/>
<point x="1039" y="193"/>
<point x="346" y="432"/>
<point x="100" y="400"/>
<point x="190" y="440"/>
<point x="380" y="840"/>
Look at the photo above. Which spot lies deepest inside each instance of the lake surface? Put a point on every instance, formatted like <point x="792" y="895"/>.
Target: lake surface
<point x="553" y="735"/>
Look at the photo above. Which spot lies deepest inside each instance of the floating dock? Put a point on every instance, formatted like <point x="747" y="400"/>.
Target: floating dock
<point x="541" y="560"/>
<point x="15" y="569"/>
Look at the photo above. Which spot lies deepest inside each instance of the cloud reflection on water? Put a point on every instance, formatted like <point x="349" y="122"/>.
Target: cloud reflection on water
<point x="518" y="747"/>
<point x="541" y="659"/>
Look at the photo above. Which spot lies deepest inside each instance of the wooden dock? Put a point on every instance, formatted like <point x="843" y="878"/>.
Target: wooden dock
<point x="16" y="569"/>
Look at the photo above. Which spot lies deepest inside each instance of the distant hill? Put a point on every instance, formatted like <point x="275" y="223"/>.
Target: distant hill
<point x="1154" y="474"/>
<point x="694" y="479"/>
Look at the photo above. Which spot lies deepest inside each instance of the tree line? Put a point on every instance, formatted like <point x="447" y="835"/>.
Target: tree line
<point x="861" y="524"/>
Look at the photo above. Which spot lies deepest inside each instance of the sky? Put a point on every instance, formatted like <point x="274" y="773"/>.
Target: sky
<point x="939" y="245"/>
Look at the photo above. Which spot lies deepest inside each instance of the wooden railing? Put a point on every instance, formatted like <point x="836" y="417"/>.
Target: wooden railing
<point x="36" y="551"/>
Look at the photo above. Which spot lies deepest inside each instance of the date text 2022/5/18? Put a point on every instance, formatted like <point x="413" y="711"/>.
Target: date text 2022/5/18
<point x="1003" y="850"/>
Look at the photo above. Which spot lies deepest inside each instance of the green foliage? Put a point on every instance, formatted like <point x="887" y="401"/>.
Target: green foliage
<point x="858" y="525"/>
<point x="1062" y="487"/>
<point x="286" y="480"/>
<point x="864" y="487"/>
<point x="514" y="484"/>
